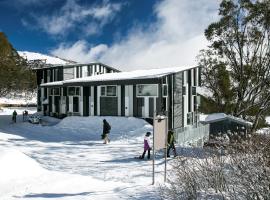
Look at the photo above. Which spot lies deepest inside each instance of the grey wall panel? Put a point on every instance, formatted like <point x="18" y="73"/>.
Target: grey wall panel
<point x="108" y="106"/>
<point x="178" y="106"/>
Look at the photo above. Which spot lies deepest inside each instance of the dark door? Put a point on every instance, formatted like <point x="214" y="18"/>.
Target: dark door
<point x="140" y="105"/>
<point x="75" y="104"/>
<point x="86" y="94"/>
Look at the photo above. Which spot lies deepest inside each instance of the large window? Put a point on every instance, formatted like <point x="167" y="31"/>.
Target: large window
<point x="73" y="91"/>
<point x="108" y="91"/>
<point x="150" y="90"/>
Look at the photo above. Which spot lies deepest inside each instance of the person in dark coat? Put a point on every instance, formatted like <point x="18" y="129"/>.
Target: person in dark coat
<point x="14" y="116"/>
<point x="106" y="131"/>
<point x="171" y="140"/>
<point x="146" y="146"/>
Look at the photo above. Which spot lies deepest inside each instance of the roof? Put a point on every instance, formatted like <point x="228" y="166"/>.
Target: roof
<point x="48" y="66"/>
<point x="216" y="117"/>
<point x="131" y="75"/>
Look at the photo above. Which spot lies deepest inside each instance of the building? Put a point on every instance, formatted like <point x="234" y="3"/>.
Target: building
<point x="221" y="123"/>
<point x="96" y="89"/>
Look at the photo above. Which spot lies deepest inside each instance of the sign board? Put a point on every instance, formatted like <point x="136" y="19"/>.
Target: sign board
<point x="160" y="132"/>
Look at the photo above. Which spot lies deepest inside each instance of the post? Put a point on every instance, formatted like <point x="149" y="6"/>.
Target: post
<point x="165" y="167"/>
<point x="153" y="176"/>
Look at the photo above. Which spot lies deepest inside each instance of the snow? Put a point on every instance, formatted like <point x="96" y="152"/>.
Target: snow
<point x="49" y="59"/>
<point x="215" y="116"/>
<point x="19" y="99"/>
<point x="66" y="159"/>
<point x="221" y="116"/>
<point x="137" y="74"/>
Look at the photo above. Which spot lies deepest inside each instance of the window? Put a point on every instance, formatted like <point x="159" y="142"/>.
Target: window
<point x="111" y="90"/>
<point x="195" y="76"/>
<point x="108" y="91"/>
<point x="56" y="75"/>
<point x="189" y="118"/>
<point x="89" y="70"/>
<point x="147" y="90"/>
<point x="73" y="91"/>
<point x="56" y="91"/>
<point x="165" y="90"/>
<point x="194" y="91"/>
<point x="103" y="91"/>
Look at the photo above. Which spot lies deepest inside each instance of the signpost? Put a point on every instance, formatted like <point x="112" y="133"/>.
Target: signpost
<point x="160" y="140"/>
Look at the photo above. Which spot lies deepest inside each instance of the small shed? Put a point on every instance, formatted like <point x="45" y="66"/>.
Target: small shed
<point x="222" y="123"/>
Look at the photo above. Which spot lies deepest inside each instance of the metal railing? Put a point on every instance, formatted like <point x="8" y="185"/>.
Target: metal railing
<point x="193" y="135"/>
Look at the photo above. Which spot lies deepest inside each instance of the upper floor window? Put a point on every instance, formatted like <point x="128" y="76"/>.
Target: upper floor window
<point x="147" y="90"/>
<point x="89" y="70"/>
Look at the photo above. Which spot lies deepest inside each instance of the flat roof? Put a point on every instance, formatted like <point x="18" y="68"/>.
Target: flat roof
<point x="216" y="117"/>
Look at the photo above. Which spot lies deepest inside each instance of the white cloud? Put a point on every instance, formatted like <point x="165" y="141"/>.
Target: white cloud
<point x="173" y="40"/>
<point x="71" y="15"/>
<point x="79" y="51"/>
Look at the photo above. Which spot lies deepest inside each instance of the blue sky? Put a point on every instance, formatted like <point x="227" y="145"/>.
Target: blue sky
<point x="124" y="33"/>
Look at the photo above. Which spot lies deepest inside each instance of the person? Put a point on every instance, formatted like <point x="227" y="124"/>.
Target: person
<point x="14" y="116"/>
<point x="26" y="115"/>
<point x="106" y="131"/>
<point x="147" y="146"/>
<point x="171" y="140"/>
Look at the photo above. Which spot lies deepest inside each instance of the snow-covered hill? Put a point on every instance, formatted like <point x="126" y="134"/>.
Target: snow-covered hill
<point x="49" y="59"/>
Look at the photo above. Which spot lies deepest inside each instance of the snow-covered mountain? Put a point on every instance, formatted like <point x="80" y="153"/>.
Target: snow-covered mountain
<point x="49" y="59"/>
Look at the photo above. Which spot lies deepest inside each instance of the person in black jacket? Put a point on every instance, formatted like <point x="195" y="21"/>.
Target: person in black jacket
<point x="106" y="131"/>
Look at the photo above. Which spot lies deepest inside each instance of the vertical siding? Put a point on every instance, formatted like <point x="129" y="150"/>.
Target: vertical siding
<point x="178" y="106"/>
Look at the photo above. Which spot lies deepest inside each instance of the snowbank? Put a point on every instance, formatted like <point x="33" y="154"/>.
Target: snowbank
<point x="91" y="127"/>
<point x="16" y="165"/>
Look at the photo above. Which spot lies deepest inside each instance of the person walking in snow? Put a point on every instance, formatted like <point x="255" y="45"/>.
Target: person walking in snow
<point x="106" y="131"/>
<point x="171" y="140"/>
<point x="14" y="116"/>
<point x="147" y="146"/>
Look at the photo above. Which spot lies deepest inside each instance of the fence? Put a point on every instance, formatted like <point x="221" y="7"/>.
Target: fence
<point x="192" y="135"/>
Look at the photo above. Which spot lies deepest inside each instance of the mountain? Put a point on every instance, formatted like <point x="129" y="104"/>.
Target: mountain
<point x="48" y="59"/>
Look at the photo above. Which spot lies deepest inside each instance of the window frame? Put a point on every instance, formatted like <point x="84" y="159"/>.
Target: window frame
<point x="141" y="96"/>
<point x="106" y="91"/>
<point x="75" y="91"/>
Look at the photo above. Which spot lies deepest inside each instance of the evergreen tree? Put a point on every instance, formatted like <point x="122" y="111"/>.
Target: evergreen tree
<point x="237" y="63"/>
<point x="15" y="76"/>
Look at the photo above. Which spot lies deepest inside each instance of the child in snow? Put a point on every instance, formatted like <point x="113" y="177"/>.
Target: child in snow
<point x="171" y="140"/>
<point x="146" y="146"/>
<point x="14" y="116"/>
<point x="106" y="131"/>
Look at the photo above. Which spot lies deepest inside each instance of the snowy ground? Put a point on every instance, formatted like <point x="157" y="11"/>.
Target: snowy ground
<point x="69" y="161"/>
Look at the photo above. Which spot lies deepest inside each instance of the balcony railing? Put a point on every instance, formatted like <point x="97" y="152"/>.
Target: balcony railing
<point x="192" y="135"/>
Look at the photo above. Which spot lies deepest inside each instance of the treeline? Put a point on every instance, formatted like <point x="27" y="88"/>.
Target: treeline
<point x="15" y="75"/>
